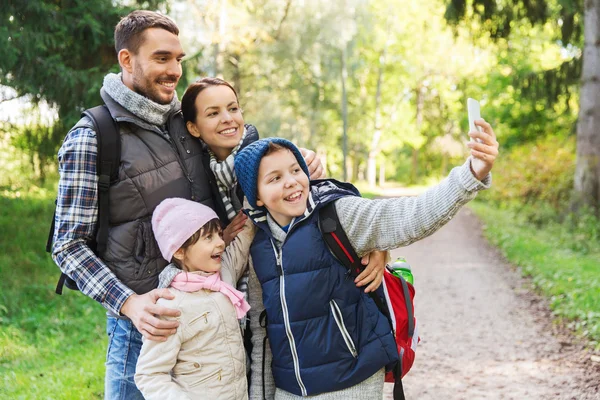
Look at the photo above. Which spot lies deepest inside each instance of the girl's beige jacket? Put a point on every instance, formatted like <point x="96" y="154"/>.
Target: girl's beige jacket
<point x="205" y="359"/>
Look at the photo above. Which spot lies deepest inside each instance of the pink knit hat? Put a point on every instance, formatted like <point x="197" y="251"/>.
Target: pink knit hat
<point x="175" y="220"/>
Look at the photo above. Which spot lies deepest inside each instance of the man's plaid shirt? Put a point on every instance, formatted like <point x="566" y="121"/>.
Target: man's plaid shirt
<point x="76" y="218"/>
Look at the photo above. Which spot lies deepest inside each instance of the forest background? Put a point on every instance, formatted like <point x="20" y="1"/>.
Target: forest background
<point x="377" y="88"/>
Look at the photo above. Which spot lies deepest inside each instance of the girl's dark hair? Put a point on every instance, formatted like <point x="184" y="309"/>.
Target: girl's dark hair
<point x="188" y="101"/>
<point x="211" y="227"/>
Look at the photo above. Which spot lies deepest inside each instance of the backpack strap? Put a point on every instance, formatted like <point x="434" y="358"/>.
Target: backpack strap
<point x="107" y="166"/>
<point x="108" y="159"/>
<point x="337" y="241"/>
<point x="339" y="244"/>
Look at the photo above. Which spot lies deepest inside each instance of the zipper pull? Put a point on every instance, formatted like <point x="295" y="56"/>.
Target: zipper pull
<point x="205" y="315"/>
<point x="279" y="268"/>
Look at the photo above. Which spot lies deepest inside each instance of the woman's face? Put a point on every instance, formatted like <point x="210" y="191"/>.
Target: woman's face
<point x="219" y="121"/>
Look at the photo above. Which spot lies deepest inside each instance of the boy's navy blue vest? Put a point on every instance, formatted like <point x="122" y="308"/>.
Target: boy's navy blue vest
<point x="325" y="333"/>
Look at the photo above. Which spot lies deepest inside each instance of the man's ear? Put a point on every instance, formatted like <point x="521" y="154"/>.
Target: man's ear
<point x="179" y="254"/>
<point x="125" y="60"/>
<point x="191" y="127"/>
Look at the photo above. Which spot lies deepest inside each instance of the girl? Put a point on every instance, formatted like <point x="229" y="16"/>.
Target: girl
<point x="205" y="358"/>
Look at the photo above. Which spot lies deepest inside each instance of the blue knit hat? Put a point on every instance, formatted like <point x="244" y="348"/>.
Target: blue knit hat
<point x="248" y="159"/>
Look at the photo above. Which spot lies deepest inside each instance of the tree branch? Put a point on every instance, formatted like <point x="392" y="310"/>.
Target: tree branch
<point x="285" y="14"/>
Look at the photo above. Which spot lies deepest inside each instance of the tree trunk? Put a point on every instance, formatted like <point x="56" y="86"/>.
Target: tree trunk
<point x="587" y="172"/>
<point x="236" y="76"/>
<point x="372" y="162"/>
<point x="419" y="123"/>
<point x="344" y="115"/>
<point x="218" y="45"/>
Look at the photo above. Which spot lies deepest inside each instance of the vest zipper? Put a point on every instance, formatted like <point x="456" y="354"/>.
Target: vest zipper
<point x="171" y="141"/>
<point x="286" y="318"/>
<point x="339" y="320"/>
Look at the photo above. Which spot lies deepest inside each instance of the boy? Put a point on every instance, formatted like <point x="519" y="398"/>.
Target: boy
<point x="327" y="338"/>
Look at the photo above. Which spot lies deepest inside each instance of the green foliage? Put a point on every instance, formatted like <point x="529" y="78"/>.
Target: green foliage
<point x="50" y="346"/>
<point x="553" y="257"/>
<point x="538" y="173"/>
<point x="58" y="51"/>
<point x="540" y="60"/>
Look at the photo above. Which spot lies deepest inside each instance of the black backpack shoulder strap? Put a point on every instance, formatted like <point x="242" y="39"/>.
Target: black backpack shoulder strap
<point x="107" y="165"/>
<point x="339" y="244"/>
<point x="108" y="159"/>
<point x="336" y="239"/>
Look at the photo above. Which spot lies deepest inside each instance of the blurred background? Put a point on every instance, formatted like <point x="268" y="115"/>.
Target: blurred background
<point x="378" y="88"/>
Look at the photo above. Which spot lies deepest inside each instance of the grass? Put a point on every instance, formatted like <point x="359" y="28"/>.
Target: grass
<point x="51" y="347"/>
<point x="564" y="264"/>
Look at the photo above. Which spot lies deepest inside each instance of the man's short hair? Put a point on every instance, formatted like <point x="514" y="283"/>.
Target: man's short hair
<point x="129" y="32"/>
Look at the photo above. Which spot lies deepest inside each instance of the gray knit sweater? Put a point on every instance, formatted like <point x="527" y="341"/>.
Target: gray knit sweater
<point x="370" y="225"/>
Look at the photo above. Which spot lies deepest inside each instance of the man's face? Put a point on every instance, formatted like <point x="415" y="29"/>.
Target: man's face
<point x="157" y="65"/>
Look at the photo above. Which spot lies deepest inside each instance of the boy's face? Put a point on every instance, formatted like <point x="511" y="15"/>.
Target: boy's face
<point x="204" y="255"/>
<point x="282" y="186"/>
<point x="219" y="121"/>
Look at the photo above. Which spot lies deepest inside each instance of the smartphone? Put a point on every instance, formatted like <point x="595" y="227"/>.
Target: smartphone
<point x="474" y="111"/>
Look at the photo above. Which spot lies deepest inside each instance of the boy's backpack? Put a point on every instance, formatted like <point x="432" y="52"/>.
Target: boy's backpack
<point x="396" y="305"/>
<point x="107" y="167"/>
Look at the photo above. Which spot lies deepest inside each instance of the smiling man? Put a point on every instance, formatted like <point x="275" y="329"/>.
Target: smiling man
<point x="159" y="159"/>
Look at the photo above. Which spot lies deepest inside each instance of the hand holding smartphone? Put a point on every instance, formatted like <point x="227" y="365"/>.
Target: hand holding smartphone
<point x="474" y="112"/>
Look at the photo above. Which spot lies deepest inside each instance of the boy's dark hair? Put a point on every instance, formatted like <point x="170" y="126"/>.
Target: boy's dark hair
<point x="129" y="32"/>
<point x="274" y="148"/>
<point x="188" y="101"/>
<point x="212" y="226"/>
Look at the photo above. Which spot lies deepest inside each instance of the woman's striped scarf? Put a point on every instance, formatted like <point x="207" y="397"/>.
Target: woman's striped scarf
<point x="226" y="182"/>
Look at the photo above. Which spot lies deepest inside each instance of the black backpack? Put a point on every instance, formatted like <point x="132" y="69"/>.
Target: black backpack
<point x="107" y="168"/>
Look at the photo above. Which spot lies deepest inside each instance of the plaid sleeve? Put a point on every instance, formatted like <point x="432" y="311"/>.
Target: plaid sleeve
<point x="75" y="221"/>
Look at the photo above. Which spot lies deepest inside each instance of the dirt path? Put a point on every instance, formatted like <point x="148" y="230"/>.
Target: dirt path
<point x="483" y="335"/>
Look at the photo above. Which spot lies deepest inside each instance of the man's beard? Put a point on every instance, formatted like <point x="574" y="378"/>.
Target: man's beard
<point x="146" y="88"/>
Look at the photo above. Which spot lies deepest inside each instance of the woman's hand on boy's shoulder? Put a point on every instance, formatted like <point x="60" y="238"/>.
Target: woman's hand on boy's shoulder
<point x="313" y="162"/>
<point x="372" y="275"/>
<point x="484" y="149"/>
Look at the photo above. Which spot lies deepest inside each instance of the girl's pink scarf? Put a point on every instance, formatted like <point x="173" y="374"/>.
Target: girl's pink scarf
<point x="194" y="282"/>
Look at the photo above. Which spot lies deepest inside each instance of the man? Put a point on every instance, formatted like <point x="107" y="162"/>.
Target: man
<point x="159" y="159"/>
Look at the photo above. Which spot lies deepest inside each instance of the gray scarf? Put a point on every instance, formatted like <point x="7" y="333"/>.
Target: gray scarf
<point x="140" y="106"/>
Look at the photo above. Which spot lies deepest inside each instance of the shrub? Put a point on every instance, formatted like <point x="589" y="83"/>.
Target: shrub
<point x="539" y="173"/>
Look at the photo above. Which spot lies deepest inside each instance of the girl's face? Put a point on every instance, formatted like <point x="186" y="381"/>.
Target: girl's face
<point x="204" y="255"/>
<point x="219" y="122"/>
